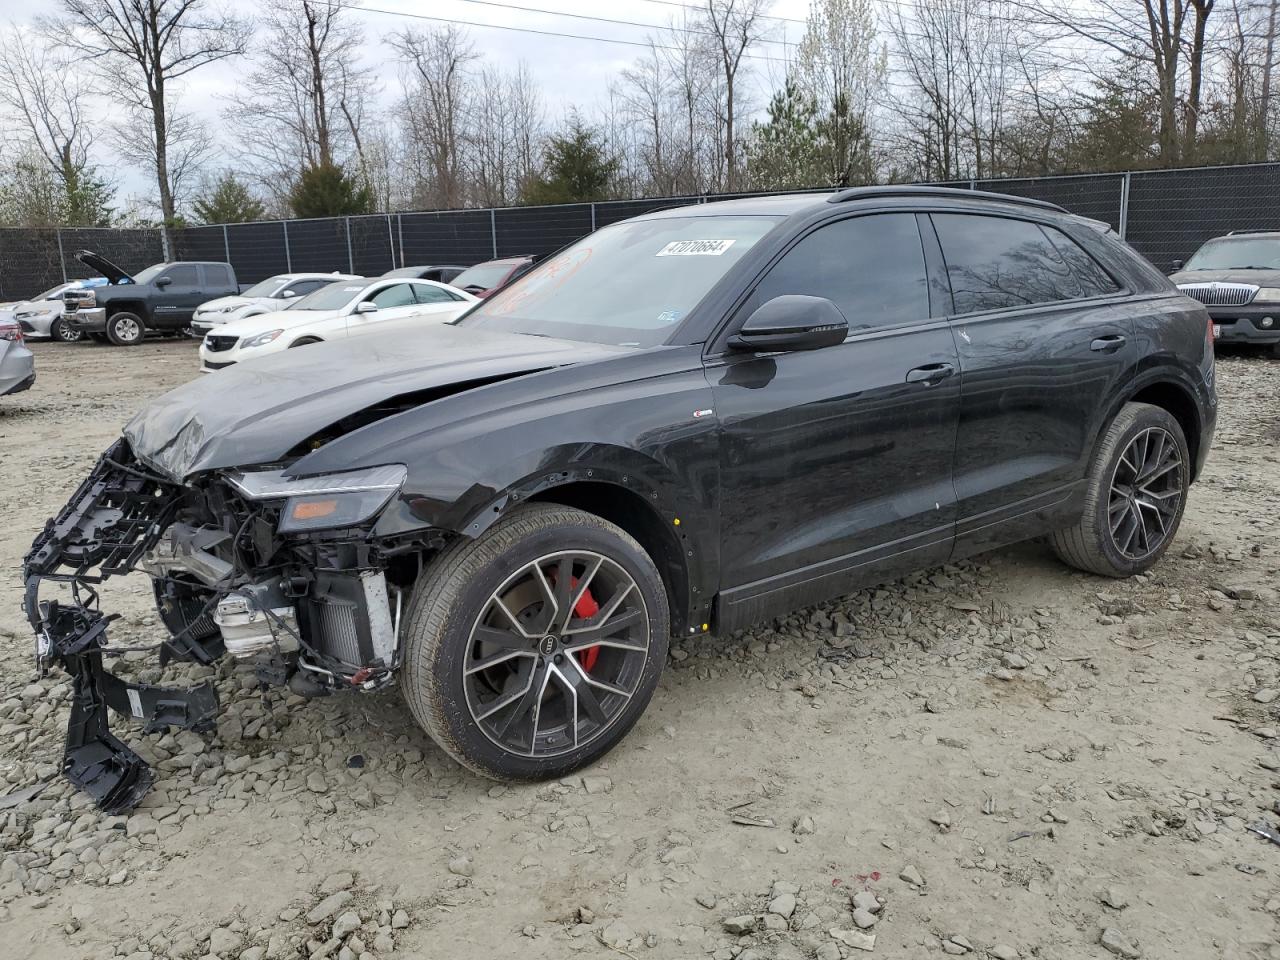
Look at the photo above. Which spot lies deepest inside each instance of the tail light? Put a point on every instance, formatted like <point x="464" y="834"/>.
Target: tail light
<point x="10" y="331"/>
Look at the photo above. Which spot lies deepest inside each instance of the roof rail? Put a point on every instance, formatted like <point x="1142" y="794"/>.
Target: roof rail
<point x="867" y="193"/>
<point x="1236" y="233"/>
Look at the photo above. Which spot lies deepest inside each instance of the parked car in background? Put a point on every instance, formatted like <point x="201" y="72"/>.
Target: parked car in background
<point x="160" y="299"/>
<point x="339" y="310"/>
<point x="699" y="419"/>
<point x="1237" y="277"/>
<point x="440" y="273"/>
<point x="17" y="364"/>
<point x="484" y="278"/>
<point x="265" y="297"/>
<point x="41" y="316"/>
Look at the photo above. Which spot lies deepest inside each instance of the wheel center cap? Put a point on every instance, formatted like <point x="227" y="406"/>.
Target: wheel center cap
<point x="547" y="645"/>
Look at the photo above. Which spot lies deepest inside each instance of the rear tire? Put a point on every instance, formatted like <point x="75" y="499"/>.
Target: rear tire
<point x="63" y="332"/>
<point x="125" y="329"/>
<point x="499" y="679"/>
<point x="1135" y="498"/>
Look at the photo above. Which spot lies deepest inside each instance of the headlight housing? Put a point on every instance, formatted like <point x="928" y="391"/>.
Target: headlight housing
<point x="1267" y="295"/>
<point x="260" y="340"/>
<point x="324" y="502"/>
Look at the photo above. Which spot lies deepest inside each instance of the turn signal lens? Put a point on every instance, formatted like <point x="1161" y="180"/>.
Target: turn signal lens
<point x="304" y="510"/>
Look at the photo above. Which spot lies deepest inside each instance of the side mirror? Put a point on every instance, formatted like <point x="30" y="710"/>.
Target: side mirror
<point x="366" y="306"/>
<point x="162" y="281"/>
<point x="1176" y="265"/>
<point x="792" y="322"/>
<point x="288" y="295"/>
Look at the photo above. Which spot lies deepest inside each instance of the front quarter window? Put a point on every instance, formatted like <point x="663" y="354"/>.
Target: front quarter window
<point x="630" y="284"/>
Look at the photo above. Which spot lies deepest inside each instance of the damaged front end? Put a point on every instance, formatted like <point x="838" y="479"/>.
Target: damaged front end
<point x="281" y="573"/>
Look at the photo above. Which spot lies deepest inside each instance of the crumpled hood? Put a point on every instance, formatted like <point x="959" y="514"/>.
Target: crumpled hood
<point x="257" y="411"/>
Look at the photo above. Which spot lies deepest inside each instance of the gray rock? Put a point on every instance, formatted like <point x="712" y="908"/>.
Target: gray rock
<point x="740" y="924"/>
<point x="1266" y="695"/>
<point x="617" y="935"/>
<point x="866" y="900"/>
<point x="784" y="906"/>
<point x="1116" y="942"/>
<point x="597" y="784"/>
<point x="399" y="920"/>
<point x="346" y="923"/>
<point x="1002" y="951"/>
<point x="864" y="919"/>
<point x="328" y="906"/>
<point x="462" y="867"/>
<point x="316" y="783"/>
<point x="223" y="943"/>
<point x="828" y="951"/>
<point x="854" y="938"/>
<point x="911" y="875"/>
<point x="335" y="882"/>
<point x="1115" y="898"/>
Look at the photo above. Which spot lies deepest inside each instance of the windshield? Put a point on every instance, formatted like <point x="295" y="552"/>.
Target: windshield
<point x="628" y="285"/>
<point x="335" y="296"/>
<point x="1244" y="253"/>
<point x="267" y="288"/>
<point x="149" y="274"/>
<point x="484" y="275"/>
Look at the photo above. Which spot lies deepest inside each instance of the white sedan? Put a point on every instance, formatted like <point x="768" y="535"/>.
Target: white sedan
<point x="335" y="312"/>
<point x="266" y="296"/>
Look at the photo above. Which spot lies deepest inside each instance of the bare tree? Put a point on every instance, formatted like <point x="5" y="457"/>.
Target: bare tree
<point x="841" y="68"/>
<point x="440" y="86"/>
<point x="143" y="49"/>
<point x="307" y="97"/>
<point x="50" y="102"/>
<point x="736" y="25"/>
<point x="1168" y="37"/>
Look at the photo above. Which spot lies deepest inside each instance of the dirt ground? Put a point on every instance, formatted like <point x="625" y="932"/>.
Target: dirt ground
<point x="1014" y="759"/>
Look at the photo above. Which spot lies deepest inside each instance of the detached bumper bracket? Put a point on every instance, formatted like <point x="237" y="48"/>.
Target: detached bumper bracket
<point x="95" y="760"/>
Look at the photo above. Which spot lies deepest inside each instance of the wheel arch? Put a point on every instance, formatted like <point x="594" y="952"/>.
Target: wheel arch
<point x="137" y="307"/>
<point x="1179" y="403"/>
<point x="630" y="511"/>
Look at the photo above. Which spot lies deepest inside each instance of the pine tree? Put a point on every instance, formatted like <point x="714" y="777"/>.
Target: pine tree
<point x="227" y="200"/>
<point x="325" y="190"/>
<point x="785" y="152"/>
<point x="576" y="168"/>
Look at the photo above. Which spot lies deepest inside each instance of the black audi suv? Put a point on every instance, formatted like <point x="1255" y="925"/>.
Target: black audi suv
<point x="686" y="422"/>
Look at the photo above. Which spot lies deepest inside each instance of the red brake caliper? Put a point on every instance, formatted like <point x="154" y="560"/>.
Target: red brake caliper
<point x="584" y="609"/>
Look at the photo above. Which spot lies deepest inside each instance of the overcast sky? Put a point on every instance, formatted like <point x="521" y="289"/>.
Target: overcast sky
<point x="570" y="72"/>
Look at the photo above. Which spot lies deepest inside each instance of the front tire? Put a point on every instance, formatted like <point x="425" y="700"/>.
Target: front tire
<point x="1135" y="498"/>
<point x="125" y="329"/>
<point x="63" y="332"/>
<point x="532" y="650"/>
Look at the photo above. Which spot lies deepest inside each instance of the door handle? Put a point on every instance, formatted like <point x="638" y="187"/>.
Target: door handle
<point x="930" y="374"/>
<point x="1108" y="344"/>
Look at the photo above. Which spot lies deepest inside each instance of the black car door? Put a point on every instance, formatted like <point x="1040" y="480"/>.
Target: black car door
<point x="1044" y="339"/>
<point x="836" y="463"/>
<point x="176" y="300"/>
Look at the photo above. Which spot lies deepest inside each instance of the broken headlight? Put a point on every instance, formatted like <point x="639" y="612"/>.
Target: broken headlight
<point x="324" y="502"/>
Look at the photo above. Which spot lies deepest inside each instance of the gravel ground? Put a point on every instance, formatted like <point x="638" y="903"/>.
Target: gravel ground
<point x="1001" y="758"/>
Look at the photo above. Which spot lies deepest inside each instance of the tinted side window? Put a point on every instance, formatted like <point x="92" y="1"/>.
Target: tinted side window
<point x="871" y="267"/>
<point x="397" y="295"/>
<point x="182" y="276"/>
<point x="301" y="288"/>
<point x="1092" y="280"/>
<point x="996" y="262"/>
<point x="429" y="294"/>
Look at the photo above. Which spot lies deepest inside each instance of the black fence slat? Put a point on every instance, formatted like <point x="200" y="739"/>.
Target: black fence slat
<point x="1168" y="215"/>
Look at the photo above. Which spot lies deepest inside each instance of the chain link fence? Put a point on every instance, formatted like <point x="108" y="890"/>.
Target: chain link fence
<point x="1165" y="214"/>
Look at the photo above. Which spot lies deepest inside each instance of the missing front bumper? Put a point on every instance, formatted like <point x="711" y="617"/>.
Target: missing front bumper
<point x="113" y="518"/>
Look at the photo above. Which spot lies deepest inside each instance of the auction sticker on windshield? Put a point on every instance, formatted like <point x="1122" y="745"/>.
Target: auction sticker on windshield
<point x="694" y="248"/>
